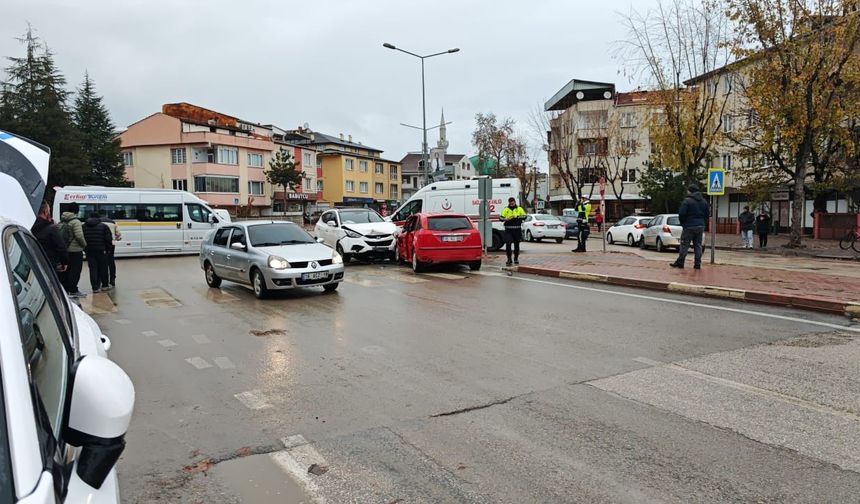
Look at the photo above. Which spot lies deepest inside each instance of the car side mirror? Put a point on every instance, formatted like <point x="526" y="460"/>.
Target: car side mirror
<point x="99" y="411"/>
<point x="331" y="223"/>
<point x="320" y="239"/>
<point x="237" y="246"/>
<point x="213" y="219"/>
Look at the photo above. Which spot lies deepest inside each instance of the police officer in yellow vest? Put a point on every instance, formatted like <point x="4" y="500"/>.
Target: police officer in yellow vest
<point x="513" y="216"/>
<point x="583" y="209"/>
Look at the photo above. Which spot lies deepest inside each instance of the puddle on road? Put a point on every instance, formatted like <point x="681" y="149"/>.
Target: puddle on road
<point x="258" y="479"/>
<point x="158" y="298"/>
<point x="216" y="295"/>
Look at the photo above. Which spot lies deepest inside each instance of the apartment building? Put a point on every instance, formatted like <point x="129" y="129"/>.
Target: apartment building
<point x="350" y="173"/>
<point x="596" y="131"/>
<point x="307" y="196"/>
<point x="218" y="157"/>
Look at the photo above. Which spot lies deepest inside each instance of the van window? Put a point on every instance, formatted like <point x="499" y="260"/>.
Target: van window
<point x="84" y="210"/>
<point x="221" y="236"/>
<point x="118" y="211"/>
<point x="160" y="213"/>
<point x="197" y="213"/>
<point x="410" y="208"/>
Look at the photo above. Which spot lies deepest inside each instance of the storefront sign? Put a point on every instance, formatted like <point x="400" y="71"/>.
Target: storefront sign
<point x="779" y="196"/>
<point x="297" y="196"/>
<point x="352" y="200"/>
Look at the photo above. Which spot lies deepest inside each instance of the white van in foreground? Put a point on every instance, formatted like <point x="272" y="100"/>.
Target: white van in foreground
<point x="461" y="196"/>
<point x="152" y="221"/>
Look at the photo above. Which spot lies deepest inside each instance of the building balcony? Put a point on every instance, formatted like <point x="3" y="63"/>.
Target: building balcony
<point x="209" y="138"/>
<point x="215" y="169"/>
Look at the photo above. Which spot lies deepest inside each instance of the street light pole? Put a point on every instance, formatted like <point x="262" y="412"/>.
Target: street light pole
<point x="424" y="153"/>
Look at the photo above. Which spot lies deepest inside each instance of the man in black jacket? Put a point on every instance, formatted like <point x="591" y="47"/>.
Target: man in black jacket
<point x="98" y="238"/>
<point x="747" y="221"/>
<point x="50" y="238"/>
<point x="693" y="214"/>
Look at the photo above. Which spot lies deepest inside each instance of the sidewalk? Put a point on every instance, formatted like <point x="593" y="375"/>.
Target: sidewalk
<point x="805" y="283"/>
<point x="825" y="249"/>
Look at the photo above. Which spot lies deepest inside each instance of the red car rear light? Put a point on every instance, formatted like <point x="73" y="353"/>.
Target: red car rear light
<point x="666" y="229"/>
<point x="563" y="225"/>
<point x="638" y="226"/>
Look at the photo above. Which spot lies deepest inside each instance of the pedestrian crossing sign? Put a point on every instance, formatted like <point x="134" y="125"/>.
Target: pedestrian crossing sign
<point x="716" y="182"/>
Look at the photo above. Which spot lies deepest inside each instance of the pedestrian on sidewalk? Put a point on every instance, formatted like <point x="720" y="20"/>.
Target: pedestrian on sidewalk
<point x="116" y="237"/>
<point x="51" y="240"/>
<point x="583" y="209"/>
<point x="98" y="238"/>
<point x="72" y="232"/>
<point x="693" y="214"/>
<point x="513" y="215"/>
<point x="762" y="227"/>
<point x="747" y="222"/>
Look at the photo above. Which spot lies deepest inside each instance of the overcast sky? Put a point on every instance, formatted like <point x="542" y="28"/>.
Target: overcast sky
<point x="322" y="62"/>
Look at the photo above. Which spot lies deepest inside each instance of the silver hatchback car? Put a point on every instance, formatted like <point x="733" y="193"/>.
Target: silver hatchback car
<point x="663" y="231"/>
<point x="269" y="255"/>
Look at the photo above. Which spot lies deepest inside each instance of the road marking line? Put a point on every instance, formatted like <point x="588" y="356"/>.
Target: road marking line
<point x="198" y="362"/>
<point x="149" y="334"/>
<point x="200" y="339"/>
<point x="293" y="468"/>
<point x="253" y="399"/>
<point x="224" y="363"/>
<point x="647" y="361"/>
<point x="123" y="321"/>
<point x="691" y="303"/>
<point x="167" y="343"/>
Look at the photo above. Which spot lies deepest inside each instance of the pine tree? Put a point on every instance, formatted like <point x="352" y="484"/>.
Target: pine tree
<point x="101" y="147"/>
<point x="33" y="103"/>
<point x="282" y="172"/>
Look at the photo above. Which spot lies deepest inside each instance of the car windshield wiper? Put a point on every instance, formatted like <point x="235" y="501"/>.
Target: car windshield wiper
<point x="459" y="228"/>
<point x="293" y="242"/>
<point x="266" y="244"/>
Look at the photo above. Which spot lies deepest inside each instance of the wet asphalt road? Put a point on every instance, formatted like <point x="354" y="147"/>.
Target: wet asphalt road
<point x="459" y="387"/>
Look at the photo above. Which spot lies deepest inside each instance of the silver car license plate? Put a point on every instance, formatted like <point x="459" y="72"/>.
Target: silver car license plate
<point x="315" y="275"/>
<point x="552" y="226"/>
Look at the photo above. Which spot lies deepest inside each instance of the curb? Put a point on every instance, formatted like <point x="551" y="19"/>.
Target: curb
<point x="847" y="308"/>
<point x="792" y="253"/>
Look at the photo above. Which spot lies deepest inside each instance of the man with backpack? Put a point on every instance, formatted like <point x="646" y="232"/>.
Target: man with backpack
<point x="99" y="239"/>
<point x="116" y="235"/>
<point x="72" y="232"/>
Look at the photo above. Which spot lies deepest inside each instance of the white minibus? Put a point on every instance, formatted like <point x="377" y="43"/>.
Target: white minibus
<point x="152" y="221"/>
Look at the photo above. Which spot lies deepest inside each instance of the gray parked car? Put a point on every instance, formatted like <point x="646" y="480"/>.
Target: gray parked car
<point x="663" y="231"/>
<point x="268" y="256"/>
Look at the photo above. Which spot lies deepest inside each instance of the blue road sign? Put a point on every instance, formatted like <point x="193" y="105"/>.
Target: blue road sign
<point x="716" y="182"/>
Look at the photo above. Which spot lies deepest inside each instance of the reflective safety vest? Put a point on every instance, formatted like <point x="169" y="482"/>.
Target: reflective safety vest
<point x="513" y="216"/>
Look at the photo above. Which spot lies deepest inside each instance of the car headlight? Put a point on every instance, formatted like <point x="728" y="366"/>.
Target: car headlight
<point x="336" y="258"/>
<point x="352" y="234"/>
<point x="278" y="263"/>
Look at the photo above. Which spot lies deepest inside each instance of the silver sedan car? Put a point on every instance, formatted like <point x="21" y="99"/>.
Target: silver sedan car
<point x="268" y="255"/>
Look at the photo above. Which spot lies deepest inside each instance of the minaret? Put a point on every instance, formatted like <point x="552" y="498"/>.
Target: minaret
<point x="443" y="140"/>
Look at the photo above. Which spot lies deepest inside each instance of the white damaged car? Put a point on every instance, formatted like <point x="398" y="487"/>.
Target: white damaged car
<point x="357" y="232"/>
<point x="64" y="406"/>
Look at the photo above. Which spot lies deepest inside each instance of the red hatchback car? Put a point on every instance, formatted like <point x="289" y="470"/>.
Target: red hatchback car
<point x="435" y="238"/>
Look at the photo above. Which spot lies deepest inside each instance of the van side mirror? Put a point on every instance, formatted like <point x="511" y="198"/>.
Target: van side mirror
<point x="213" y="219"/>
<point x="99" y="411"/>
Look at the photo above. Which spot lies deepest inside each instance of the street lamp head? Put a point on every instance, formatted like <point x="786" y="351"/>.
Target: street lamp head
<point x="456" y="49"/>
<point x="388" y="46"/>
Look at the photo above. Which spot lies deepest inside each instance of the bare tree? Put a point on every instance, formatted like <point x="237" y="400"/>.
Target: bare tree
<point x="517" y="163"/>
<point x="625" y="141"/>
<point x="492" y="137"/>
<point x="677" y="42"/>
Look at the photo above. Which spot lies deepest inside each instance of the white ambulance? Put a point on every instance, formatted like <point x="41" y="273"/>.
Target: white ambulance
<point x="461" y="196"/>
<point x="152" y="221"/>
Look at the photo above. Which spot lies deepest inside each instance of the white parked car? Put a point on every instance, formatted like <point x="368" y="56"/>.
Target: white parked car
<point x="357" y="232"/>
<point x="629" y="229"/>
<point x="64" y="406"/>
<point x="540" y="226"/>
<point x="663" y="231"/>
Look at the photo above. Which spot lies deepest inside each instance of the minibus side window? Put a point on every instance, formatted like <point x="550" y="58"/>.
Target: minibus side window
<point x="197" y="213"/>
<point x="118" y="211"/>
<point x="84" y="210"/>
<point x="159" y="213"/>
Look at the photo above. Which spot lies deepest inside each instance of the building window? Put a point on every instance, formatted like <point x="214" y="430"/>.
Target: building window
<point x="177" y="156"/>
<point x="393" y="190"/>
<point x="180" y="184"/>
<point x="319" y="163"/>
<point x="362" y="166"/>
<point x="379" y="168"/>
<point x="128" y="158"/>
<point x="350" y="186"/>
<point x="393" y="169"/>
<point x="627" y="120"/>
<point x="727" y="162"/>
<point x="628" y="175"/>
<point x="362" y="187"/>
<point x="628" y="147"/>
<point x="377" y="188"/>
<point x="727" y="123"/>
<point x="350" y="164"/>
<point x="255" y="160"/>
<point x="255" y="188"/>
<point x="308" y="181"/>
<point x="320" y="185"/>
<point x="306" y="159"/>
<point x="729" y="83"/>
<point x="227" y="155"/>
<point x="214" y="184"/>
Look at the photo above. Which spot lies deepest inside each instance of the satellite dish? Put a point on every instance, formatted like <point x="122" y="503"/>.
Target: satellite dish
<point x="580" y="95"/>
<point x="306" y="126"/>
<point x="607" y="95"/>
